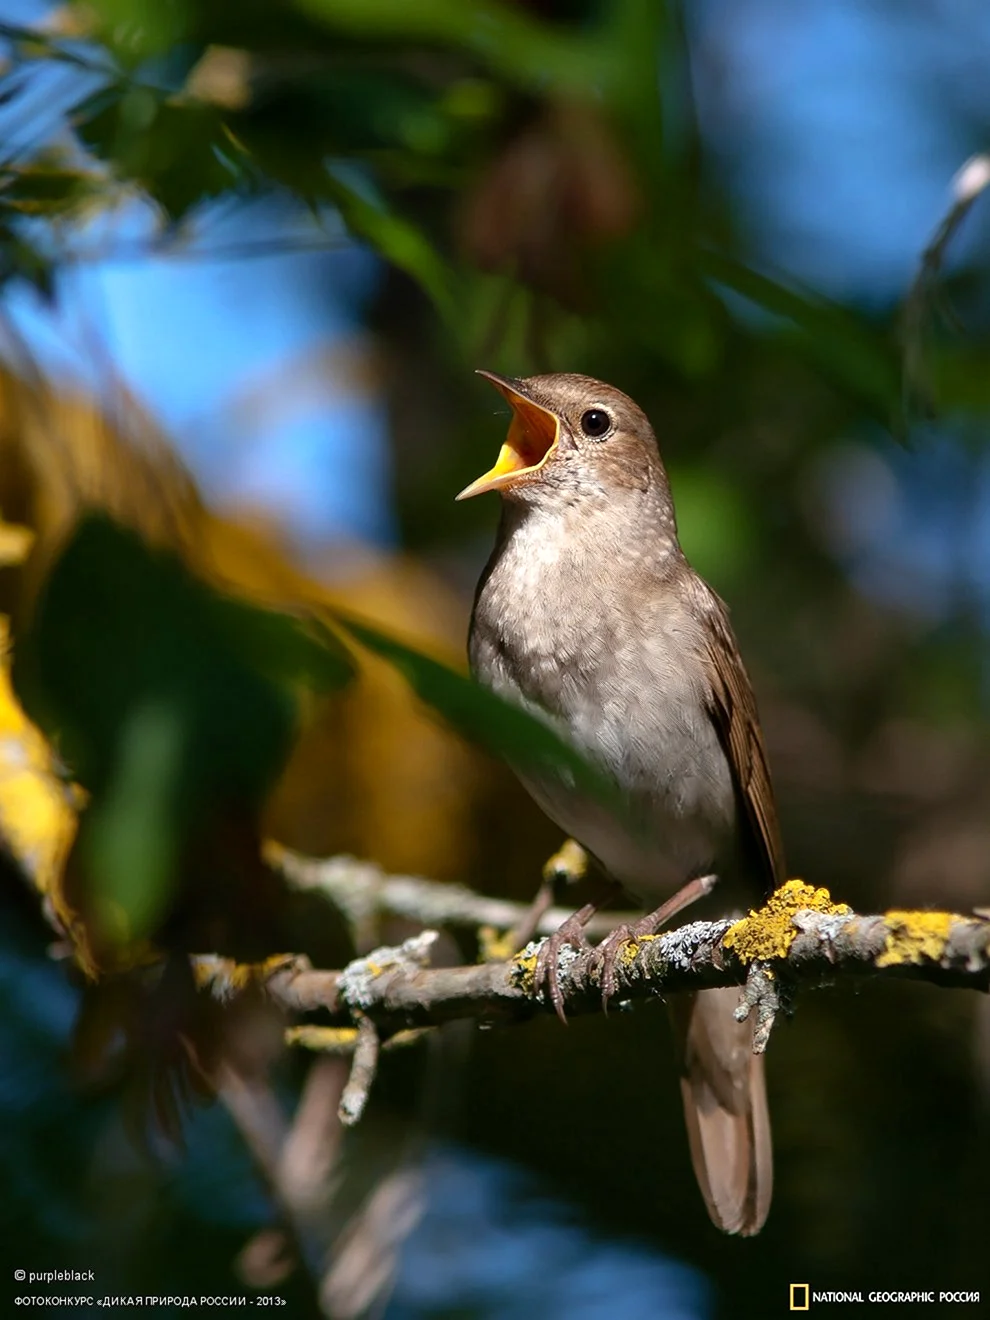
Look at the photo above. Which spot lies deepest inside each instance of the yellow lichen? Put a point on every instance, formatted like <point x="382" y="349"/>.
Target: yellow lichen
<point x="342" y="1040"/>
<point x="37" y="808"/>
<point x="226" y="978"/>
<point x="768" y="932"/>
<point x="569" y="862"/>
<point x="494" y="945"/>
<point x="524" y="971"/>
<point x="630" y="948"/>
<point x="334" y="1040"/>
<point x="914" y="937"/>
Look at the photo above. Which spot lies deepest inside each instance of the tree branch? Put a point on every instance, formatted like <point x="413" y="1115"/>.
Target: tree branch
<point x="968" y="184"/>
<point x="362" y="890"/>
<point x="363" y="1070"/>
<point x="799" y="939"/>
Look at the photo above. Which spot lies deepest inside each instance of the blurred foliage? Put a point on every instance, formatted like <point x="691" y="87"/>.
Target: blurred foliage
<point x="37" y="815"/>
<point x="516" y="167"/>
<point x="535" y="181"/>
<point x="172" y="705"/>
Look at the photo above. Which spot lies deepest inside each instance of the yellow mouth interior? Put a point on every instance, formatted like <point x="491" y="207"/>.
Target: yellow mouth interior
<point x="532" y="437"/>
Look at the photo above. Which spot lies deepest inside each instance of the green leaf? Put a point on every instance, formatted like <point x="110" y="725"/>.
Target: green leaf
<point x="179" y="152"/>
<point x="173" y="705"/>
<point x="137" y="29"/>
<point x="718" y="532"/>
<point x="129" y="841"/>
<point x="837" y="341"/>
<point x="526" y="741"/>
<point x="19" y="258"/>
<point x="43" y="189"/>
<point x="398" y="242"/>
<point x="524" y="51"/>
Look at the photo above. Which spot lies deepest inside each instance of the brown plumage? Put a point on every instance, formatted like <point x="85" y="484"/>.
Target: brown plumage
<point x="588" y="611"/>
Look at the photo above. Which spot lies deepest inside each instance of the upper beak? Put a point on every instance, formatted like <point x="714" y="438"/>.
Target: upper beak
<point x="532" y="437"/>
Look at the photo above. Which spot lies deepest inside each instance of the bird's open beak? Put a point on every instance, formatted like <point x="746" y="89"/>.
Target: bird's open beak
<point x="532" y="438"/>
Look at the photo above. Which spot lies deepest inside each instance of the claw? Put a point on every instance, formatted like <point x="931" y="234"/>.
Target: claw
<point x="607" y="953"/>
<point x="546" y="975"/>
<point x="607" y="956"/>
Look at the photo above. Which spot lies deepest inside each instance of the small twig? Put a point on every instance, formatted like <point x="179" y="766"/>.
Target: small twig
<point x="362" y="1267"/>
<point x="761" y="995"/>
<point x="967" y="185"/>
<point x="362" y="890"/>
<point x="494" y="948"/>
<point x="167" y="248"/>
<point x="363" y="1070"/>
<point x="264" y="1129"/>
<point x="568" y="865"/>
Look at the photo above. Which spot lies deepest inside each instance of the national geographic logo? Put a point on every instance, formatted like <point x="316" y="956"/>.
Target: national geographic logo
<point x="801" y="1297"/>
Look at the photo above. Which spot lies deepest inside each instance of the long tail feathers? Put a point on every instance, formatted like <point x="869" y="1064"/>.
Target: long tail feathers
<point x="725" y="1107"/>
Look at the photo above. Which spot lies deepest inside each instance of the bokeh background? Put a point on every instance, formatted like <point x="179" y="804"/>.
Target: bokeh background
<point x="275" y="240"/>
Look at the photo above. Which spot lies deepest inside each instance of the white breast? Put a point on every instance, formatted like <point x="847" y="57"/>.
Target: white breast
<point x="559" y="634"/>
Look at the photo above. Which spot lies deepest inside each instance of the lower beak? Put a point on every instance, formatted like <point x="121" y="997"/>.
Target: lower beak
<point x="532" y="438"/>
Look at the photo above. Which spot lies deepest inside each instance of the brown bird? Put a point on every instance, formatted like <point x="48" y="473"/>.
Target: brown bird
<point x="588" y="612"/>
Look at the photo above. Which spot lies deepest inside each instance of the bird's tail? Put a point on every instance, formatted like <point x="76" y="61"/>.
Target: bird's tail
<point x="725" y="1107"/>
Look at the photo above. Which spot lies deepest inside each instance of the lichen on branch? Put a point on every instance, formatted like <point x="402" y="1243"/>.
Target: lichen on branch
<point x="801" y="937"/>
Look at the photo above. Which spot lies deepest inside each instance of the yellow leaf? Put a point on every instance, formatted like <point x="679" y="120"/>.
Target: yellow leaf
<point x="37" y="808"/>
<point x="15" y="542"/>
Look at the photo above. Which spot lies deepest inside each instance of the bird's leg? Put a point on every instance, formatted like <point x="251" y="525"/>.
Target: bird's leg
<point x="607" y="953"/>
<point x="529" y="923"/>
<point x="546" y="974"/>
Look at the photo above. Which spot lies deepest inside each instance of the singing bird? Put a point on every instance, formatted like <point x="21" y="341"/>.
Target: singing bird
<point x="588" y="613"/>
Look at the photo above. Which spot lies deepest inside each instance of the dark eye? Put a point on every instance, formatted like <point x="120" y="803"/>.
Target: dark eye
<point x="595" y="422"/>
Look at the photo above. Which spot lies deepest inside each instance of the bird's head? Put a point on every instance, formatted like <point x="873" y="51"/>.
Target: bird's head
<point x="571" y="438"/>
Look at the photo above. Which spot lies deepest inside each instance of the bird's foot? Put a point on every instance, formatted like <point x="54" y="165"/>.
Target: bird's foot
<point x="546" y="975"/>
<point x="608" y="953"/>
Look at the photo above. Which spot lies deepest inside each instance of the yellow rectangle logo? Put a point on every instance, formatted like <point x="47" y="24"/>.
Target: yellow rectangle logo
<point x="800" y="1297"/>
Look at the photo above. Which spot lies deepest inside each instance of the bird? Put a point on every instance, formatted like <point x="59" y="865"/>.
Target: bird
<point x="589" y="615"/>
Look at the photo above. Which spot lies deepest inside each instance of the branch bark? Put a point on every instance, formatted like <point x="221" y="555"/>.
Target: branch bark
<point x="362" y="890"/>
<point x="801" y="938"/>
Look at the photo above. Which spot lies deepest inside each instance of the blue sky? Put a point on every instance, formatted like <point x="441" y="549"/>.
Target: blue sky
<point x="842" y="123"/>
<point x="236" y="357"/>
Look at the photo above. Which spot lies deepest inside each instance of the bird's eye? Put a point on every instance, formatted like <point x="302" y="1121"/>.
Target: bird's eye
<point x="596" y="422"/>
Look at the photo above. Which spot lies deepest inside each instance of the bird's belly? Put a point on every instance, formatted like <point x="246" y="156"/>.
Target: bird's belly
<point x="653" y="739"/>
<point x="652" y="855"/>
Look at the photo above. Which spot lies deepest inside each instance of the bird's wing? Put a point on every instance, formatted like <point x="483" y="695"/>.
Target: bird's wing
<point x="732" y="707"/>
